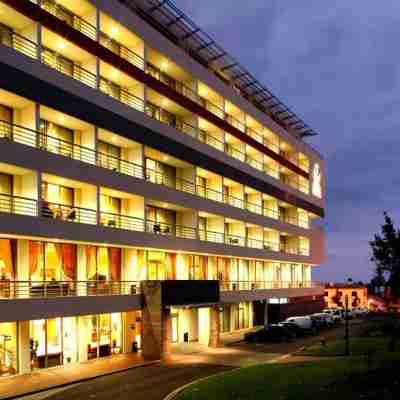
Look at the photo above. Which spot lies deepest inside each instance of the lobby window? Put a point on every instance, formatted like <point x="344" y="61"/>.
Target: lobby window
<point x="54" y="262"/>
<point x="8" y="349"/>
<point x="103" y="335"/>
<point x="56" y="138"/>
<point x="46" y="343"/>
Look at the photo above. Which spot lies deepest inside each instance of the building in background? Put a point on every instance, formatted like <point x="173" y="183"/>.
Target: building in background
<point x="335" y="295"/>
<point x="151" y="190"/>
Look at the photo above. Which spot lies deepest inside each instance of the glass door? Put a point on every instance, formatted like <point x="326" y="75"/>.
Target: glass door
<point x="175" y="328"/>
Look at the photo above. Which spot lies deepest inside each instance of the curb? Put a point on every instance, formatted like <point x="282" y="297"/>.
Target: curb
<point x="61" y="385"/>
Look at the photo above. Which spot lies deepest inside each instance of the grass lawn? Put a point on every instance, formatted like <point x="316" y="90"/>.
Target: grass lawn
<point x="358" y="346"/>
<point x="348" y="378"/>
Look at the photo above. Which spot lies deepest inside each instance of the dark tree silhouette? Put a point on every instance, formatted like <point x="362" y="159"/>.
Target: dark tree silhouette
<point x="386" y="256"/>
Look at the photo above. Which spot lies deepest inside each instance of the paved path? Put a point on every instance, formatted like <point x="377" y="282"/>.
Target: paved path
<point x="42" y="379"/>
<point x="156" y="381"/>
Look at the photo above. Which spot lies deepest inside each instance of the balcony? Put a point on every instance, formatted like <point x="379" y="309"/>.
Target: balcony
<point x="18" y="205"/>
<point x="70" y="18"/>
<point x="30" y="137"/>
<point x="10" y="289"/>
<point x="262" y="285"/>
<point x="65" y="65"/>
<point x="68" y="67"/>
<point x="67" y="213"/>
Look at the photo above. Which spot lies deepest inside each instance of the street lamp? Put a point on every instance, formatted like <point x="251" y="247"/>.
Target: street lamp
<point x="346" y="325"/>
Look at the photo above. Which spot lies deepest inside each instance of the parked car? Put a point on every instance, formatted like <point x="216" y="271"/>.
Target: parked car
<point x="303" y="322"/>
<point x="337" y="314"/>
<point x="270" y="333"/>
<point x="322" y="320"/>
<point x="297" y="331"/>
<point x="360" y="312"/>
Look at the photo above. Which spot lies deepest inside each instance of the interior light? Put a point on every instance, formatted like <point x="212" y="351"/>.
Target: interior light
<point x="165" y="158"/>
<point x="61" y="45"/>
<point x="115" y="73"/>
<point x="165" y="102"/>
<point x="114" y="139"/>
<point x="114" y="31"/>
<point x="61" y="118"/>
<point x="164" y="65"/>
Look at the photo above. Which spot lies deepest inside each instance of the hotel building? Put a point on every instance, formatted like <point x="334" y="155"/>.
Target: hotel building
<point x="152" y="191"/>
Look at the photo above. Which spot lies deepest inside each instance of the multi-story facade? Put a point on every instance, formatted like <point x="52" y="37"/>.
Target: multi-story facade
<point x="145" y="197"/>
<point x="336" y="293"/>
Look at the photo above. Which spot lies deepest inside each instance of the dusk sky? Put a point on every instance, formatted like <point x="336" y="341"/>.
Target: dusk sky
<point x="336" y="64"/>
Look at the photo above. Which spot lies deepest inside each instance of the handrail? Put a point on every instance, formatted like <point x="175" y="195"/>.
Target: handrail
<point x="62" y="147"/>
<point x="123" y="51"/>
<point x="238" y="285"/>
<point x="121" y="94"/>
<point x="11" y="204"/>
<point x="120" y="221"/>
<point x="70" y="18"/>
<point x="68" y="213"/>
<point x="13" y="289"/>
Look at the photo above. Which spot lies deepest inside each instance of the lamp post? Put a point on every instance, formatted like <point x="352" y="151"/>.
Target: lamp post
<point x="346" y="325"/>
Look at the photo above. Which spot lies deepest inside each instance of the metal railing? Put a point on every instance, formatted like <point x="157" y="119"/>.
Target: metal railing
<point x="120" y="221"/>
<point x="70" y="18"/>
<point x="68" y="67"/>
<point x="122" y="95"/>
<point x="121" y="50"/>
<point x="68" y="213"/>
<point x="10" y="204"/>
<point x="64" y="148"/>
<point x="162" y="228"/>
<point x="260" y="285"/>
<point x="49" y="289"/>
<point x="75" y="71"/>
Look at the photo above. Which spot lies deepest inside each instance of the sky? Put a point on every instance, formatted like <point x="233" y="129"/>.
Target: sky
<point x="337" y="65"/>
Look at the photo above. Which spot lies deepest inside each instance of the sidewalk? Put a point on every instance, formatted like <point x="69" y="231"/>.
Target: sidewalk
<point x="60" y="376"/>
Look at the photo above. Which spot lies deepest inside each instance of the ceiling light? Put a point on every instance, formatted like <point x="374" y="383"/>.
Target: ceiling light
<point x="61" y="45"/>
<point x="164" y="65"/>
<point x="61" y="118"/>
<point x="114" y="31"/>
<point x="165" y="102"/>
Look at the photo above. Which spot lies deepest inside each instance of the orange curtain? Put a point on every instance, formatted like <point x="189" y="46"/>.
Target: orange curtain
<point x="34" y="252"/>
<point x="114" y="259"/>
<point x="68" y="252"/>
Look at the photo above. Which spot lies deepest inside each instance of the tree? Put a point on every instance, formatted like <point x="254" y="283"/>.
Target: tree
<point x="386" y="256"/>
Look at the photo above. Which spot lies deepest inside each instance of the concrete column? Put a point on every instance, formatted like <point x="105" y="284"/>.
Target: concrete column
<point x="24" y="353"/>
<point x="156" y="334"/>
<point x="214" y="327"/>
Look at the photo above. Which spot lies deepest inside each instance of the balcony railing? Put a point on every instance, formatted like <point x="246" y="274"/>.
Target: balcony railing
<point x="70" y="18"/>
<point x="262" y="285"/>
<point x="122" y="51"/>
<point x="75" y="71"/>
<point x="162" y="228"/>
<point x="68" y="213"/>
<point x="68" y="67"/>
<point x="64" y="148"/>
<point x="11" y="289"/>
<point x="17" y="205"/>
<point x="121" y="94"/>
<point x="121" y="221"/>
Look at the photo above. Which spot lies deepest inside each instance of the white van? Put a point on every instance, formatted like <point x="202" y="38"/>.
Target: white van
<point x="304" y="322"/>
